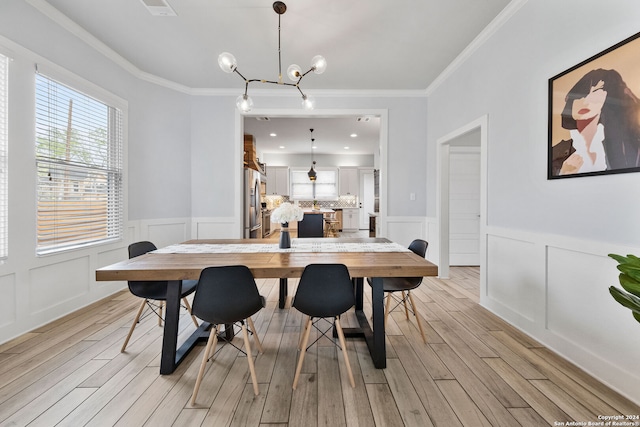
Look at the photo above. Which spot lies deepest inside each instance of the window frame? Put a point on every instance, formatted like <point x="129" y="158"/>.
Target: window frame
<point x="115" y="217"/>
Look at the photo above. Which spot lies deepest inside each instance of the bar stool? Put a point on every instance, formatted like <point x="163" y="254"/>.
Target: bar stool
<point x="331" y="225"/>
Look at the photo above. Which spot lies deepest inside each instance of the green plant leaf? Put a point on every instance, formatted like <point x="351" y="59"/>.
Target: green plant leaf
<point x="630" y="301"/>
<point x="636" y="316"/>
<point x="621" y="259"/>
<point x="629" y="284"/>
<point x="631" y="270"/>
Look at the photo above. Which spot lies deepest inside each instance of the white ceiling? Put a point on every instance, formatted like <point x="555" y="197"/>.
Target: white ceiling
<point x="368" y="44"/>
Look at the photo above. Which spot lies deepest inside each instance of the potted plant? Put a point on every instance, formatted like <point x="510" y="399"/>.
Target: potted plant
<point x="629" y="277"/>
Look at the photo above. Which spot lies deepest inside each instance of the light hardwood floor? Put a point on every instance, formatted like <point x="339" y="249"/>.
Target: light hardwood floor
<point x="476" y="371"/>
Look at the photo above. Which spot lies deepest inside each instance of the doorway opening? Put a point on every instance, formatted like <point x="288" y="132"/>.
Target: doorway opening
<point x="380" y="153"/>
<point x="460" y="145"/>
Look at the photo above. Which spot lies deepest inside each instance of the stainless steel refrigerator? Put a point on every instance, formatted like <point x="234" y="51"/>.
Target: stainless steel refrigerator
<point x="252" y="206"/>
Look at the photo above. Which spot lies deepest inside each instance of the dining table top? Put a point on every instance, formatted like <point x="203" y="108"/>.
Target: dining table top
<point x="271" y="264"/>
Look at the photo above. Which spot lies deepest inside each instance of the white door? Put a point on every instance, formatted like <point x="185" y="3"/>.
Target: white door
<point x="464" y="206"/>
<point x="366" y="197"/>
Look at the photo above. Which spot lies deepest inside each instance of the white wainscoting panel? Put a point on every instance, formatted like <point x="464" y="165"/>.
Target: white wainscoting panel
<point x="58" y="283"/>
<point x="404" y="230"/>
<point x="216" y="228"/>
<point x="514" y="279"/>
<point x="555" y="288"/>
<point x="8" y="300"/>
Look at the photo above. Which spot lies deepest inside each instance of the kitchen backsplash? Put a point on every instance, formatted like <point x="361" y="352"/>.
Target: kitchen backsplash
<point x="342" y="202"/>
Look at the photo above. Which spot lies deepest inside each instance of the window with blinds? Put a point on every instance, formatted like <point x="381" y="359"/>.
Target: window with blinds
<point x="4" y="202"/>
<point x="325" y="187"/>
<point x="79" y="166"/>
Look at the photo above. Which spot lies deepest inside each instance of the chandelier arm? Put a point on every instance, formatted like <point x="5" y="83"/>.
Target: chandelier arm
<point x="240" y="74"/>
<point x="279" y="52"/>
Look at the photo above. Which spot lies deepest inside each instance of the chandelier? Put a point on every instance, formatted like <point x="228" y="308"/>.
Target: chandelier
<point x="312" y="172"/>
<point x="244" y="103"/>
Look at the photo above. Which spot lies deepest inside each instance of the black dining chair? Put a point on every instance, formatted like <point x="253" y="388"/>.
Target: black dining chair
<point x="225" y="296"/>
<point x="405" y="285"/>
<point x="324" y="291"/>
<point x="154" y="293"/>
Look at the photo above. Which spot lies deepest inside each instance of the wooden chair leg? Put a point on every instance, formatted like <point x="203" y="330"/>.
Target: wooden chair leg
<point x="186" y="304"/>
<point x="404" y="301"/>
<point x="133" y="325"/>
<point x="415" y="312"/>
<point x="160" y="309"/>
<point x="252" y="368"/>
<point x="343" y="344"/>
<point x="211" y="344"/>
<point x="304" y="331"/>
<point x="303" y="350"/>
<point x="255" y="334"/>
<point x="386" y="308"/>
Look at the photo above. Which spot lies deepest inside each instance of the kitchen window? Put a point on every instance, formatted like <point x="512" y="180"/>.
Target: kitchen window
<point x="325" y="186"/>
<point x="79" y="159"/>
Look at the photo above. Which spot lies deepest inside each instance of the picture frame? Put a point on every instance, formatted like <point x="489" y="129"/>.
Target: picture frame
<point x="594" y="114"/>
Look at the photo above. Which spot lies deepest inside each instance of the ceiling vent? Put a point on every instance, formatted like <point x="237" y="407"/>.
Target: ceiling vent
<point x="263" y="119"/>
<point x="159" y="8"/>
<point x="363" y="119"/>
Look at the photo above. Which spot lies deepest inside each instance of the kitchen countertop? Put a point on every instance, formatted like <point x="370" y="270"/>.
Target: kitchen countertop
<point x="320" y="211"/>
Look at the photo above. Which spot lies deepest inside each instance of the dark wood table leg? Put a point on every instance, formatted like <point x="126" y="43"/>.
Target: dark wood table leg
<point x="284" y="290"/>
<point x="170" y="335"/>
<point x="373" y="336"/>
<point x="376" y="343"/>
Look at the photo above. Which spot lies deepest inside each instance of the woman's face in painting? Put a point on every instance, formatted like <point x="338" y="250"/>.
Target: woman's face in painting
<point x="589" y="106"/>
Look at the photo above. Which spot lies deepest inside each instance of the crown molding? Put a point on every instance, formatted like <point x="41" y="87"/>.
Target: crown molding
<point x="476" y="43"/>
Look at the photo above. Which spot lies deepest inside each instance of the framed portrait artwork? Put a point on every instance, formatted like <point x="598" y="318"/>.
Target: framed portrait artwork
<point x="594" y="114"/>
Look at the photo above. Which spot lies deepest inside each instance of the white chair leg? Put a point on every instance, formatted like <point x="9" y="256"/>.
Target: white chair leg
<point x="255" y="334"/>
<point x="344" y="351"/>
<point x="211" y="344"/>
<point x="133" y="325"/>
<point x="252" y="368"/>
<point x="415" y="312"/>
<point x="303" y="350"/>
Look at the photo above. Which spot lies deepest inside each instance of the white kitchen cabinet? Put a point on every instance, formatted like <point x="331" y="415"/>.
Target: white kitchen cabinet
<point x="350" y="219"/>
<point x="349" y="181"/>
<point x="278" y="180"/>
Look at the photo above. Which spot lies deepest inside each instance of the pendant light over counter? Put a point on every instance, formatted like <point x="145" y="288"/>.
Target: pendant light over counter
<point x="312" y="173"/>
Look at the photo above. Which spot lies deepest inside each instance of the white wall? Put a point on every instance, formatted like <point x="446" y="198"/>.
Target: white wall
<point x="181" y="154"/>
<point x="546" y="268"/>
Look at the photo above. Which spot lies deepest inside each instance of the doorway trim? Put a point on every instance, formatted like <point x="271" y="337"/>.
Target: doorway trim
<point x="382" y="154"/>
<point x="443" y="177"/>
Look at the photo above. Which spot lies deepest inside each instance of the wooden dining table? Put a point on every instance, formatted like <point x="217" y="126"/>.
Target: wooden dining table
<point x="364" y="257"/>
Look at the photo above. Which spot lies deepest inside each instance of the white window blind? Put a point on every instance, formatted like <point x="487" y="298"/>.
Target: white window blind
<point x="4" y="202"/>
<point x="325" y="186"/>
<point x="79" y="167"/>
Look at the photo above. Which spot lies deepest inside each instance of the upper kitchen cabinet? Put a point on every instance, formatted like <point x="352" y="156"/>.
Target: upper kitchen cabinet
<point x="349" y="181"/>
<point x="278" y="180"/>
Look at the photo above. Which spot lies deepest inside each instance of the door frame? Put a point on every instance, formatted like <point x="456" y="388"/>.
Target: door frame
<point x="443" y="177"/>
<point x="298" y="113"/>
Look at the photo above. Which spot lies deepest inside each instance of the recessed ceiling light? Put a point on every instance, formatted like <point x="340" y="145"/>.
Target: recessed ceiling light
<point x="354" y="135"/>
<point x="273" y="134"/>
<point x="281" y="147"/>
<point x="314" y="147"/>
<point x="346" y="148"/>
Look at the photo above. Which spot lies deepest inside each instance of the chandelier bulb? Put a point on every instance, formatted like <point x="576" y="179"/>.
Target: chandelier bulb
<point x="294" y="72"/>
<point x="244" y="103"/>
<point x="308" y="102"/>
<point x="227" y="62"/>
<point x="318" y="64"/>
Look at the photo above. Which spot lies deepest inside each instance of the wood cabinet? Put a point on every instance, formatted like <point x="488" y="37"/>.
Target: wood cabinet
<point x="278" y="180"/>
<point x="348" y="181"/>
<point x="350" y="219"/>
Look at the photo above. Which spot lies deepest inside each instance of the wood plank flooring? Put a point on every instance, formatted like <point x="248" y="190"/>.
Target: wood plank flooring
<point x="476" y="370"/>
